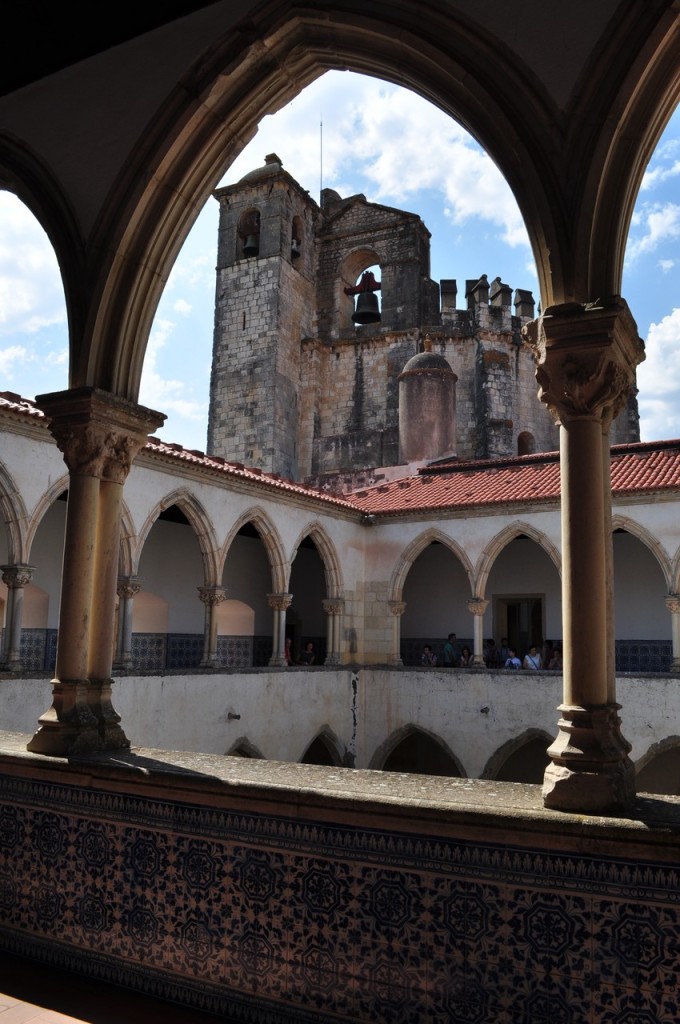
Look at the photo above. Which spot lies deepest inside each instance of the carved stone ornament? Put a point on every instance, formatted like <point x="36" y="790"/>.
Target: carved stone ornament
<point x="16" y="576"/>
<point x="477" y="606"/>
<point x="673" y="603"/>
<point x="585" y="357"/>
<point x="212" y="595"/>
<point x="128" y="587"/>
<point x="279" y="602"/>
<point x="397" y="607"/>
<point x="333" y="605"/>
<point x="98" y="434"/>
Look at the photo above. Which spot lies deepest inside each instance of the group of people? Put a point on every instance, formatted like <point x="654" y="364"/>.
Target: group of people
<point x="504" y="656"/>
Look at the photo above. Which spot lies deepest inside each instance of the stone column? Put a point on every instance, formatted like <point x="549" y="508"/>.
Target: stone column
<point x="211" y="597"/>
<point x="673" y="605"/>
<point x="477" y="606"/>
<point x="99" y="435"/>
<point x="279" y="603"/>
<point x="397" y="609"/>
<point x="127" y="590"/>
<point x="15" y="578"/>
<point x="333" y="607"/>
<point x="586" y="358"/>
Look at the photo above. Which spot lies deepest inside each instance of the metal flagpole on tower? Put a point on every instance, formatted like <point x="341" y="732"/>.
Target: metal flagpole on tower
<point x="320" y="157"/>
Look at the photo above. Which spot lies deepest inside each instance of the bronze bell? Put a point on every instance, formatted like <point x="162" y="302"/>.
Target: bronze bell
<point x="251" y="246"/>
<point x="367" y="310"/>
<point x="294" y="249"/>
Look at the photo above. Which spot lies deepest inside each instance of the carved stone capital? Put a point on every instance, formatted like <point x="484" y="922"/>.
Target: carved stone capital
<point x="279" y="602"/>
<point x="673" y="603"/>
<point x="397" y="607"/>
<point x="128" y="586"/>
<point x="477" y="606"/>
<point x="212" y="595"/>
<point x="333" y="605"/>
<point x="98" y="433"/>
<point x="585" y="357"/>
<point x="16" y="576"/>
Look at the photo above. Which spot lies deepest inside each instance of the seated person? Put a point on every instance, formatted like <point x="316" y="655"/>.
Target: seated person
<point x="466" y="657"/>
<point x="555" y="663"/>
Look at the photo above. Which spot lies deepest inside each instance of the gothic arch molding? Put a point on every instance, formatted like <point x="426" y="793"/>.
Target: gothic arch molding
<point x="24" y="174"/>
<point x="15" y="517"/>
<point x="329" y="556"/>
<point x="501" y="541"/>
<point x="646" y="538"/>
<point x="269" y="536"/>
<point x="328" y="738"/>
<point x="405" y="732"/>
<point x="199" y="522"/>
<point x="416" y="548"/>
<point x="204" y="125"/>
<point x="495" y="763"/>
<point x="48" y="499"/>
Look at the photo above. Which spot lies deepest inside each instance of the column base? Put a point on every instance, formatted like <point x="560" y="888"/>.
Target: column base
<point x="69" y="726"/>
<point x="590" y="771"/>
<point x="81" y="721"/>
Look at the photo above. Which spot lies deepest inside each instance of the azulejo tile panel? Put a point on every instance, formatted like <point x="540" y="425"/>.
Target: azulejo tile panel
<point x="276" y="920"/>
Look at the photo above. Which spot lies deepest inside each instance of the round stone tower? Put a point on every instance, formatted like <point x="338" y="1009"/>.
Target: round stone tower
<point x="427" y="408"/>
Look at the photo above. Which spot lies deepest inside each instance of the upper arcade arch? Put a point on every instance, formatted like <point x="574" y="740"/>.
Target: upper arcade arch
<point x="15" y="517"/>
<point x="416" y="548"/>
<point x="269" y="535"/>
<point x="575" y="177"/>
<point x="620" y="522"/>
<point x="329" y="557"/>
<point x="501" y="541"/>
<point x="199" y="522"/>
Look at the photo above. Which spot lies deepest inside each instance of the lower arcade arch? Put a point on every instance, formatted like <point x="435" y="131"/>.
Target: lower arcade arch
<point x="658" y="771"/>
<point x="523" y="759"/>
<point x="418" y="752"/>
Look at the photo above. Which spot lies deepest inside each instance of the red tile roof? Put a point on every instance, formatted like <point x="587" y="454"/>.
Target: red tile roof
<point x="644" y="468"/>
<point x="635" y="468"/>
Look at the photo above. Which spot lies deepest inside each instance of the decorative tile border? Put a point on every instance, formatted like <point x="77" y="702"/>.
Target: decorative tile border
<point x="274" y="920"/>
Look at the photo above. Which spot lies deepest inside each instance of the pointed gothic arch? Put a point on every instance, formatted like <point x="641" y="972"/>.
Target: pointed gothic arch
<point x="647" y="538"/>
<point x="15" y="516"/>
<point x="522" y="759"/>
<point x="199" y="521"/>
<point x="511" y="532"/>
<point x="421" y="751"/>
<point x="416" y="548"/>
<point x="271" y="539"/>
<point x="317" y="533"/>
<point x="52" y="494"/>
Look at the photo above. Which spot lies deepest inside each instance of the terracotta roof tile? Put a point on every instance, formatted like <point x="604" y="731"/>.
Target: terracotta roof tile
<point x="635" y="468"/>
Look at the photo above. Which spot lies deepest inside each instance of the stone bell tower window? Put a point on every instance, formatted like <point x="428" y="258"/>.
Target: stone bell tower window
<point x="249" y="232"/>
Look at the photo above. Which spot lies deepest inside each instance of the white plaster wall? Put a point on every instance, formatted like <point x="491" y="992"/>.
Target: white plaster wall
<point x="171" y="568"/>
<point x="636" y="571"/>
<point x="280" y="712"/>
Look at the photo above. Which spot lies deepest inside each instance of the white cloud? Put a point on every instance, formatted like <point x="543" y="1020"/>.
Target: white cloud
<point x="667" y="265"/>
<point x="661" y="224"/>
<point x="164" y="394"/>
<point x="31" y="292"/>
<point x="659" y="380"/>
<point x="182" y="307"/>
<point x="11" y="358"/>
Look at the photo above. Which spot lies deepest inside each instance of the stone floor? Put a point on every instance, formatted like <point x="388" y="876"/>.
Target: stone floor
<point x="32" y="992"/>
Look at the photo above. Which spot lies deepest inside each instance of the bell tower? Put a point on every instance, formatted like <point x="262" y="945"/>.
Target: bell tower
<point x="264" y="307"/>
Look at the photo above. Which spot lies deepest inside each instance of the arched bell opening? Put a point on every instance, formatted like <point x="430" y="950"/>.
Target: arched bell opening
<point x="249" y="233"/>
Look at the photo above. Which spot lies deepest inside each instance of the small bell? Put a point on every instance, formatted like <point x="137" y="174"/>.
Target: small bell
<point x="367" y="309"/>
<point x="251" y="246"/>
<point x="294" y="249"/>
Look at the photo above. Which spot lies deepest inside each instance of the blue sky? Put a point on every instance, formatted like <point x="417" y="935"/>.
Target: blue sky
<point x="371" y="142"/>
